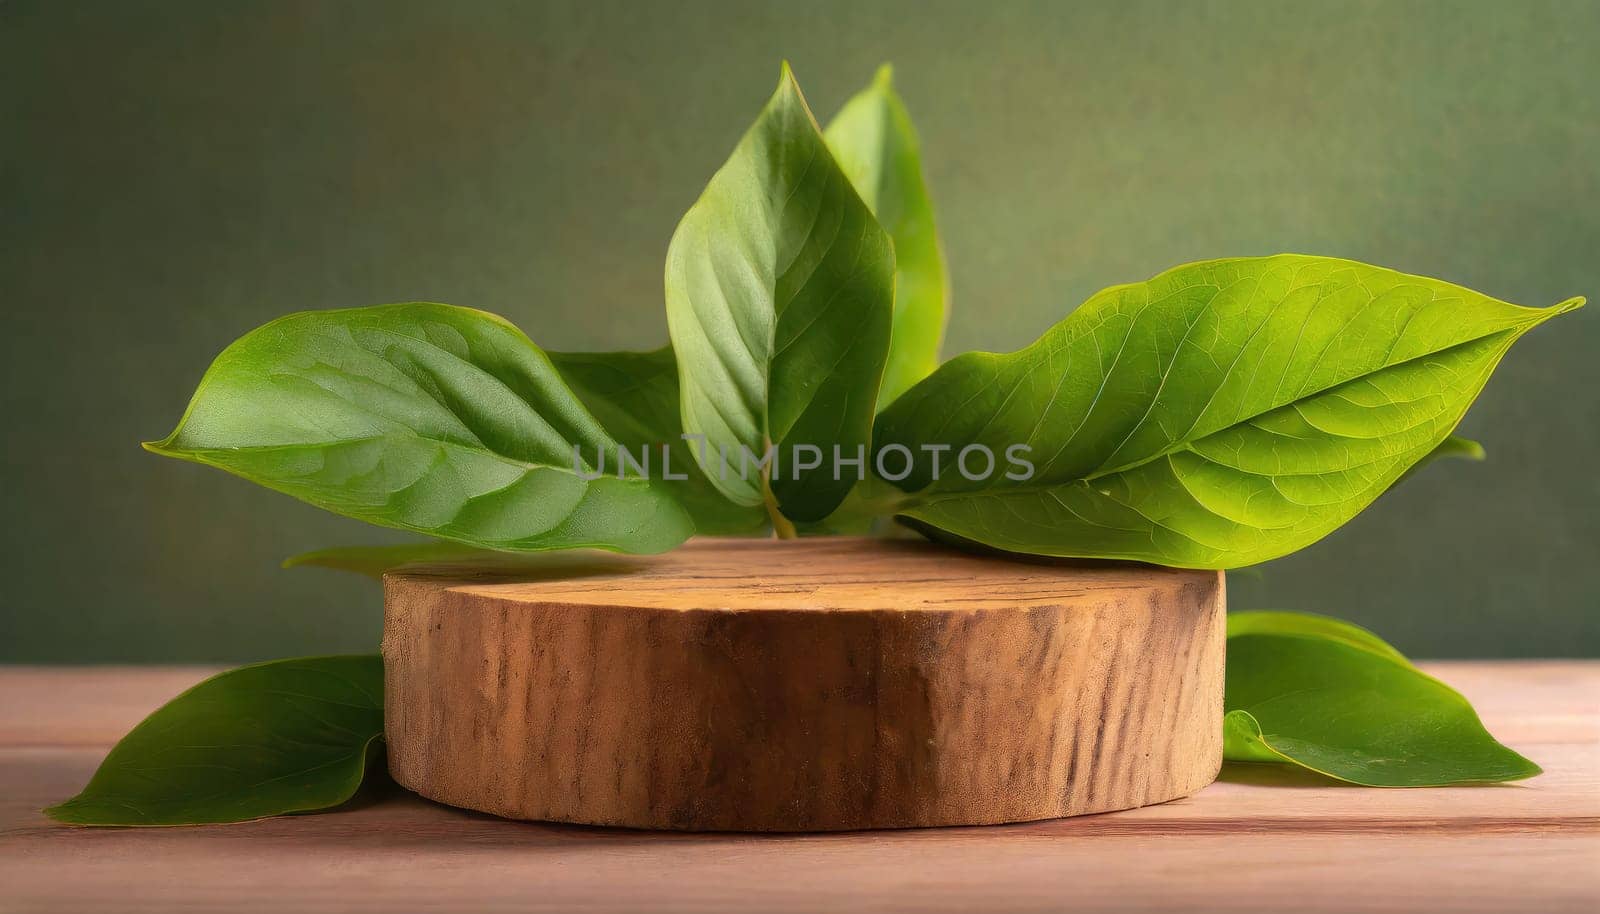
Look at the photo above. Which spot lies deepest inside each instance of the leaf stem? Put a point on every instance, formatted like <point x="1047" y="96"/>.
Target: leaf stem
<point x="782" y="526"/>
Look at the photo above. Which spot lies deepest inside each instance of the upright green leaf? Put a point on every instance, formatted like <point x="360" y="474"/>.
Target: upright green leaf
<point x="263" y="740"/>
<point x="1308" y="693"/>
<point x="441" y="420"/>
<point x="1222" y="414"/>
<point x="874" y="142"/>
<point x="635" y="396"/>
<point x="780" y="297"/>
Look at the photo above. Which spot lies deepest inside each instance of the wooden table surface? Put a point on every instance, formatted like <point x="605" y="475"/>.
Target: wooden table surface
<point x="1258" y="840"/>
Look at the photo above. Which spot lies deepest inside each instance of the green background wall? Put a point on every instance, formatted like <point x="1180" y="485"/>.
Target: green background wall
<point x="173" y="174"/>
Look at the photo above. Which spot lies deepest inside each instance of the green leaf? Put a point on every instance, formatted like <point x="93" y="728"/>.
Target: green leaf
<point x="1455" y="446"/>
<point x="431" y="418"/>
<point x="457" y="559"/>
<point x="1451" y="447"/>
<point x="262" y="740"/>
<point x="635" y="396"/>
<point x="1310" y="625"/>
<point x="780" y="298"/>
<point x="866" y="511"/>
<point x="1242" y="742"/>
<point x="373" y="561"/>
<point x="1220" y="415"/>
<point x="1339" y="707"/>
<point x="874" y="142"/>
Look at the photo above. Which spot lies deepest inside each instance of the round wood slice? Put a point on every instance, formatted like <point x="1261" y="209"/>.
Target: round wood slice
<point x="806" y="685"/>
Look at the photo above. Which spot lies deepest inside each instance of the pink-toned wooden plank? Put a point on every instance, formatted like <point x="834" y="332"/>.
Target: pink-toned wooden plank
<point x="1257" y="842"/>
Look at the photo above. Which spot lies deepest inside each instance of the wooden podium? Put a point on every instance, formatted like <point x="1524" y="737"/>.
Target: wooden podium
<point x="804" y="685"/>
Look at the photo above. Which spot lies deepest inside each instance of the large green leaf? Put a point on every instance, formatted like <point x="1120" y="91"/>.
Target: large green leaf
<point x="263" y="740"/>
<point x="874" y="142"/>
<point x="635" y="396"/>
<point x="1308" y="692"/>
<point x="426" y="417"/>
<point x="1219" y="415"/>
<point x="780" y="298"/>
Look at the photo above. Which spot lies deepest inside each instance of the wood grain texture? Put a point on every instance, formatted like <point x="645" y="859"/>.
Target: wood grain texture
<point x="809" y="685"/>
<point x="1246" y="843"/>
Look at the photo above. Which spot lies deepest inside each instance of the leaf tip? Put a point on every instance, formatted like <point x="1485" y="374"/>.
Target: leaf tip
<point x="1534" y="317"/>
<point x="788" y="93"/>
<point x="63" y="813"/>
<point x="885" y="76"/>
